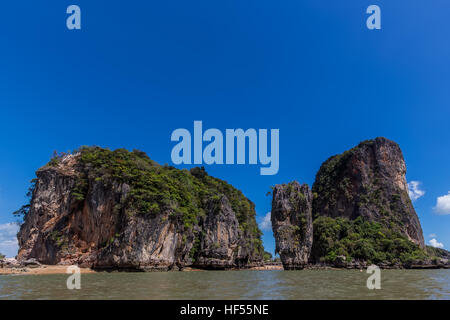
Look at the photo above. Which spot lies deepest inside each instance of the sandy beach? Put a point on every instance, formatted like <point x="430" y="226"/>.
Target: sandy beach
<point x="49" y="269"/>
<point x="44" y="269"/>
<point x="268" y="267"/>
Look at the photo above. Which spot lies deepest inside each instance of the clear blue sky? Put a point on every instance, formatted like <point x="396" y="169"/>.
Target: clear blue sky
<point x="140" y="69"/>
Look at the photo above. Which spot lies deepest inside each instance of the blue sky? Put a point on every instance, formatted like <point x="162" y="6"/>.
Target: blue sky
<point x="139" y="70"/>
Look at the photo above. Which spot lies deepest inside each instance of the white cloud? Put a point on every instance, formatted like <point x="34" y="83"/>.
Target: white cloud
<point x="432" y="235"/>
<point x="414" y="190"/>
<point x="266" y="223"/>
<point x="433" y="242"/>
<point x="8" y="239"/>
<point x="443" y="204"/>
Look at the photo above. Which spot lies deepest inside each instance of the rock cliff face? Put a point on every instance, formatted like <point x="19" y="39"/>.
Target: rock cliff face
<point x="368" y="181"/>
<point x="118" y="209"/>
<point x="292" y="223"/>
<point x="361" y="214"/>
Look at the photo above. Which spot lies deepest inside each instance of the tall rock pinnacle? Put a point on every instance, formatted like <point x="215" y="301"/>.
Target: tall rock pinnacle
<point x="292" y="223"/>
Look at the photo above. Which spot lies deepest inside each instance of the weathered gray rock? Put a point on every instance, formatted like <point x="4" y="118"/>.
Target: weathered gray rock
<point x="9" y="263"/>
<point x="222" y="245"/>
<point x="368" y="181"/>
<point x="292" y="223"/>
<point x="32" y="263"/>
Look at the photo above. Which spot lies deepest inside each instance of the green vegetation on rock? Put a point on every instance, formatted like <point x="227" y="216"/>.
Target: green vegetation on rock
<point x="362" y="240"/>
<point x="2" y="256"/>
<point x="436" y="253"/>
<point x="267" y="256"/>
<point x="328" y="183"/>
<point x="367" y="183"/>
<point x="153" y="188"/>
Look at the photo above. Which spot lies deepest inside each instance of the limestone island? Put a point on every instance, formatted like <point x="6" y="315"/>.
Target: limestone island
<point x="119" y="210"/>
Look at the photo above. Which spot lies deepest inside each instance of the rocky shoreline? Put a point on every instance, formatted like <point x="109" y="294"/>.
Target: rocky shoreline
<point x="361" y="265"/>
<point x="11" y="266"/>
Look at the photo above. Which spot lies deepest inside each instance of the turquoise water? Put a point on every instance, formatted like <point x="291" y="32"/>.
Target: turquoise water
<point x="304" y="284"/>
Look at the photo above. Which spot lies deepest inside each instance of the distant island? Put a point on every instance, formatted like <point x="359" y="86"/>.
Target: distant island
<point x="119" y="210"/>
